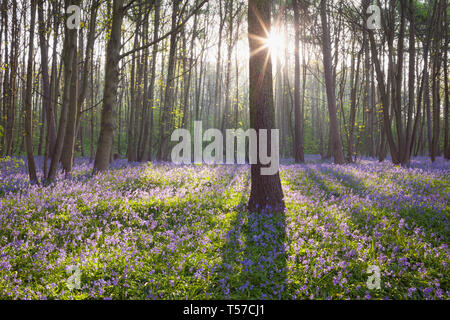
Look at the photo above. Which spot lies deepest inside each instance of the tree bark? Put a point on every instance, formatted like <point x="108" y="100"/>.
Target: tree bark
<point x="47" y="105"/>
<point x="105" y="142"/>
<point x="266" y="191"/>
<point x="335" y="137"/>
<point x="163" y="153"/>
<point x="151" y="89"/>
<point x="73" y="112"/>
<point x="68" y="56"/>
<point x="298" y="143"/>
<point x="28" y="100"/>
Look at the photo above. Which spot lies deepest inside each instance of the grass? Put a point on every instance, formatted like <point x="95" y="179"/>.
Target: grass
<point x="166" y="232"/>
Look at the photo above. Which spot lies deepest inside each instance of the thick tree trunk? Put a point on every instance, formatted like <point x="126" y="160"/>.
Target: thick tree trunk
<point x="266" y="191"/>
<point x="105" y="143"/>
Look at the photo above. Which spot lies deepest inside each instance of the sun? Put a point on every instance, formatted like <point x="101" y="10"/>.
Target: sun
<point x="276" y="43"/>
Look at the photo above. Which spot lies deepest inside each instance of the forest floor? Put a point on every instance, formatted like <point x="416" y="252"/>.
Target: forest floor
<point x="159" y="231"/>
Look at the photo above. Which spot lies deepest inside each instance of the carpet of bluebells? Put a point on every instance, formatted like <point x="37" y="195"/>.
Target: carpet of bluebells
<point x="160" y="231"/>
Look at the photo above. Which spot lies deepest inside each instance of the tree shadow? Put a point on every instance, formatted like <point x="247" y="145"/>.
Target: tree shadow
<point x="253" y="257"/>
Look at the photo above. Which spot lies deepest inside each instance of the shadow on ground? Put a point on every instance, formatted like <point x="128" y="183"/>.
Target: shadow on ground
<point x="253" y="262"/>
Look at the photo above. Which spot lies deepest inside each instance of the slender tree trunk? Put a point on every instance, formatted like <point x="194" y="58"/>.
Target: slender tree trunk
<point x="436" y="83"/>
<point x="131" y="150"/>
<point x="426" y="97"/>
<point x="411" y="83"/>
<point x="351" y="125"/>
<point x="6" y="96"/>
<point x="11" y="84"/>
<point x="87" y="59"/>
<point x="218" y="85"/>
<point x="387" y="130"/>
<point x="91" y="127"/>
<point x="143" y="138"/>
<point x="226" y="120"/>
<point x="446" y="93"/>
<point x="69" y="52"/>
<point x="2" y="120"/>
<point x="298" y="143"/>
<point x="73" y="112"/>
<point x="47" y="105"/>
<point x="28" y="100"/>
<point x="188" y="74"/>
<point x="151" y="89"/>
<point x="169" y="96"/>
<point x="335" y="137"/>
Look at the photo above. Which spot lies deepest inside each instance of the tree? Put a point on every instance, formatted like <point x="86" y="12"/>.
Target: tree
<point x="266" y="191"/>
<point x="169" y="98"/>
<point x="298" y="144"/>
<point x="28" y="100"/>
<point x="47" y="104"/>
<point x="73" y="110"/>
<point x="105" y="142"/>
<point x="151" y="89"/>
<point x="335" y="137"/>
<point x="69" y="52"/>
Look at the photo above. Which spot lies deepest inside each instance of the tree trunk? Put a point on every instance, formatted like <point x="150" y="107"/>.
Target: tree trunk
<point x="151" y="89"/>
<point x="11" y="84"/>
<point x="335" y="137"/>
<point x="105" y="142"/>
<point x="169" y="96"/>
<point x="266" y="191"/>
<point x="298" y="143"/>
<point x="47" y="105"/>
<point x="436" y="83"/>
<point x="351" y="125"/>
<point x="28" y="100"/>
<point x="70" y="135"/>
<point x="411" y="84"/>
<point x="6" y="96"/>
<point x="446" y="94"/>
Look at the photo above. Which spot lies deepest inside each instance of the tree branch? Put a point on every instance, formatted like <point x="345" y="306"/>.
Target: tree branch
<point x="177" y="29"/>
